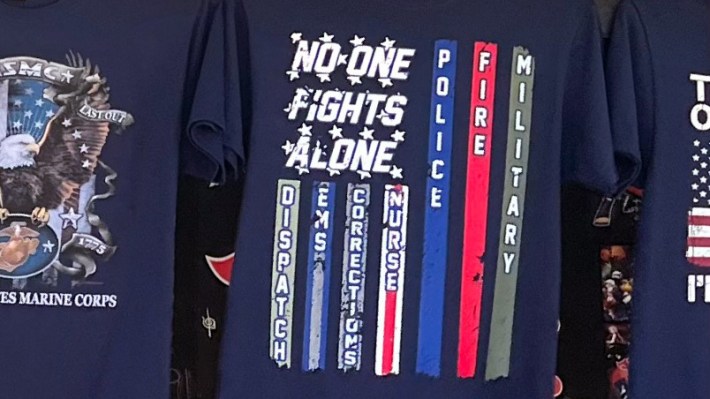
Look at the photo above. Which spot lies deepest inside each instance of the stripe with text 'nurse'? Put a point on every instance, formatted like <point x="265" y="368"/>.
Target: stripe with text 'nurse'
<point x="284" y="271"/>
<point x="392" y="269"/>
<point x="516" y="171"/>
<point x="480" y="136"/>
<point x="318" y="284"/>
<point x="436" y="217"/>
<point x="352" y="300"/>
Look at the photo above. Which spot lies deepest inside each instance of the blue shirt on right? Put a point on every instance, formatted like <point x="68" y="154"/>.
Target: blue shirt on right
<point x="659" y="88"/>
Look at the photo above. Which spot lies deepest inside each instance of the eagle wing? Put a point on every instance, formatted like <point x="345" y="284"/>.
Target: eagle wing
<point x="70" y="151"/>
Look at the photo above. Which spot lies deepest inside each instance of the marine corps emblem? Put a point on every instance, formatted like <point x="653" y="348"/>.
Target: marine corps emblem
<point x="54" y="122"/>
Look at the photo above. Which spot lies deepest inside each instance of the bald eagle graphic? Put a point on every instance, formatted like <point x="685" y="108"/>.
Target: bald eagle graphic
<point x="40" y="174"/>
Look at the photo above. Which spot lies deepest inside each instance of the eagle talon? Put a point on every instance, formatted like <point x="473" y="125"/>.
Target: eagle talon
<point x="40" y="216"/>
<point x="4" y="214"/>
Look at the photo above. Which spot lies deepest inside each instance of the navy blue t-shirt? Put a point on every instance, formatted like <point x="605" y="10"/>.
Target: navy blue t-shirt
<point x="400" y="226"/>
<point x="658" y="71"/>
<point x="94" y="100"/>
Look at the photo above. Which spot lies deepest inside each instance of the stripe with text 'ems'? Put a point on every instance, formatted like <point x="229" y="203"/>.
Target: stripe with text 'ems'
<point x="392" y="269"/>
<point x="352" y="300"/>
<point x="436" y="217"/>
<point x="485" y="61"/>
<point x="516" y="170"/>
<point x="284" y="271"/>
<point x="318" y="284"/>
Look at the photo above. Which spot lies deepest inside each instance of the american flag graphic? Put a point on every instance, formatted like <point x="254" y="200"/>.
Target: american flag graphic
<point x="699" y="215"/>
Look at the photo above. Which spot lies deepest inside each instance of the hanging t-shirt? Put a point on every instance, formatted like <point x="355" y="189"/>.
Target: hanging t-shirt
<point x="94" y="98"/>
<point x="399" y="234"/>
<point x="658" y="71"/>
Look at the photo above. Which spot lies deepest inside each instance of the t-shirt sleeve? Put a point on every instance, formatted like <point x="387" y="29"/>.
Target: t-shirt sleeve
<point x="630" y="87"/>
<point x="213" y="147"/>
<point x="591" y="155"/>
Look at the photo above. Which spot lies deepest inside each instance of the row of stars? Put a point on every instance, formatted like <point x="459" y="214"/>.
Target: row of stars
<point x="295" y="74"/>
<point x="336" y="133"/>
<point x="356" y="41"/>
<point x="30" y="114"/>
<point x="395" y="172"/>
<point x="84" y="149"/>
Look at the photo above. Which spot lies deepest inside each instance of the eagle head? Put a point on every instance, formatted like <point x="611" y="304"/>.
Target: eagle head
<point x="17" y="151"/>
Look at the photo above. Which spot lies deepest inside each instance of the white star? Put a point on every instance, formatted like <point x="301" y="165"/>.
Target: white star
<point x="38" y="125"/>
<point x="354" y="80"/>
<point x="703" y="194"/>
<point x="357" y="41"/>
<point x="696" y="158"/>
<point x="86" y="164"/>
<point x="324" y="77"/>
<point x="48" y="247"/>
<point x="695" y="172"/>
<point x="39" y="103"/>
<point x="302" y="170"/>
<point x="364" y="175"/>
<point x="333" y="172"/>
<point x="696" y="143"/>
<point x="695" y="186"/>
<point x="326" y="38"/>
<point x="704" y="165"/>
<point x="336" y="132"/>
<point x="695" y="200"/>
<point x="17" y="82"/>
<point x="396" y="172"/>
<point x="398" y="135"/>
<point x="385" y="82"/>
<point x="388" y="43"/>
<point x="342" y="59"/>
<point x="296" y="37"/>
<point x="49" y="113"/>
<point x="367" y="134"/>
<point x="29" y="91"/>
<point x="703" y="179"/>
<point x="71" y="218"/>
<point x="293" y="75"/>
<point x="16" y="125"/>
<point x="704" y="151"/>
<point x="66" y="123"/>
<point x="288" y="147"/>
<point x="68" y="76"/>
<point x="84" y="149"/>
<point x="17" y="103"/>
<point x="305" y="130"/>
<point x="76" y="135"/>
<point x="28" y="114"/>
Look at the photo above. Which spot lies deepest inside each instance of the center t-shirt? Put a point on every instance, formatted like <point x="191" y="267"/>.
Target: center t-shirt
<point x="400" y="227"/>
<point x="94" y="100"/>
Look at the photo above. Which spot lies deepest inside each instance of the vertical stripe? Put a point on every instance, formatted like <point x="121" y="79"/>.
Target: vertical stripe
<point x="392" y="269"/>
<point x="284" y="271"/>
<point x="436" y="216"/>
<point x="352" y="304"/>
<point x="318" y="284"/>
<point x="516" y="168"/>
<point x="86" y="192"/>
<point x="485" y="60"/>
<point x="4" y="94"/>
